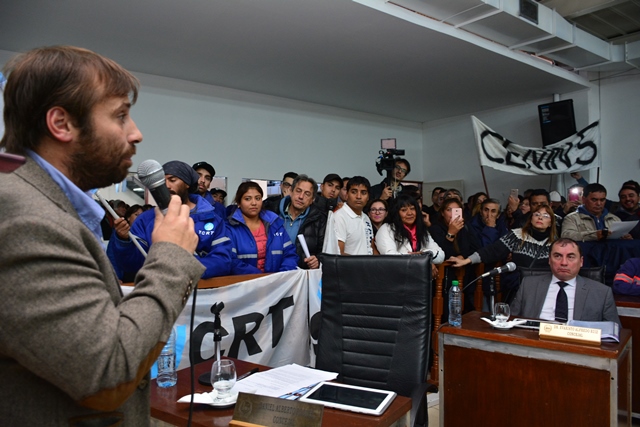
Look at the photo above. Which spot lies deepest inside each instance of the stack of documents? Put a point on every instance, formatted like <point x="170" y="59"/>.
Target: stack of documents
<point x="289" y="382"/>
<point x="610" y="330"/>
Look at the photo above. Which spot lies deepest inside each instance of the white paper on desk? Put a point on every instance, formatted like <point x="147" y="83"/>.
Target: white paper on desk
<point x="285" y="379"/>
<point x="620" y="228"/>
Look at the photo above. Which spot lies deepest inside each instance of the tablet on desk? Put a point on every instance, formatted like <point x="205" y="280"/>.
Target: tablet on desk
<point x="350" y="398"/>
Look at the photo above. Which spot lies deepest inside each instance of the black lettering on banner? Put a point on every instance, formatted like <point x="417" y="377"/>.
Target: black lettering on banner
<point x="512" y="162"/>
<point x="564" y="154"/>
<point x="241" y="334"/>
<point x="538" y="161"/>
<point x="584" y="144"/>
<point x="277" y="319"/>
<point x="550" y="158"/>
<point x="197" y="338"/>
<point x="496" y="135"/>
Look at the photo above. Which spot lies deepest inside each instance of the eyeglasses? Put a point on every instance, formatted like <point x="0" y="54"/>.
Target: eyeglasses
<point x="401" y="169"/>
<point x="377" y="210"/>
<point x="286" y="184"/>
<point x="542" y="215"/>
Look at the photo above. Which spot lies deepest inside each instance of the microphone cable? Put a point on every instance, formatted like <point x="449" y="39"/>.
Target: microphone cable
<point x="191" y="358"/>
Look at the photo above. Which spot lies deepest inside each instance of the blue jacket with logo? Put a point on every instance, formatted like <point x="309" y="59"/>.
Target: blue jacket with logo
<point x="218" y="207"/>
<point x="281" y="253"/>
<point x="213" y="250"/>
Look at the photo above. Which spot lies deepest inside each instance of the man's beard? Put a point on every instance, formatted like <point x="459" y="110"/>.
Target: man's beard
<point x="95" y="164"/>
<point x="184" y="196"/>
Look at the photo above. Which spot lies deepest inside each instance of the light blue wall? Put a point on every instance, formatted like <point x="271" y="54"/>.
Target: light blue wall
<point x="248" y="135"/>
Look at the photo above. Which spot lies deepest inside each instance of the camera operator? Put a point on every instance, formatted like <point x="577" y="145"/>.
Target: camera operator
<point x="390" y="187"/>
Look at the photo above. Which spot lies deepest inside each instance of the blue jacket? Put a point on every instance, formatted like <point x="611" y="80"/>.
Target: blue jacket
<point x="218" y="207"/>
<point x="487" y="235"/>
<point x="627" y="279"/>
<point x="213" y="250"/>
<point x="281" y="253"/>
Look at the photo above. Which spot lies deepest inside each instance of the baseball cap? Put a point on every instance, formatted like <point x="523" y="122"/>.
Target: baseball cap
<point x="218" y="190"/>
<point x="332" y="177"/>
<point x="206" y="166"/>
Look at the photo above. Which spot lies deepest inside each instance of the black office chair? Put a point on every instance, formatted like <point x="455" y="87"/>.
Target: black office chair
<point x="376" y="324"/>
<point x="593" y="273"/>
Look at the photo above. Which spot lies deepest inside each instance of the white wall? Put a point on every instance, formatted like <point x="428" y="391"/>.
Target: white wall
<point x="248" y="135"/>
<point x="620" y="112"/>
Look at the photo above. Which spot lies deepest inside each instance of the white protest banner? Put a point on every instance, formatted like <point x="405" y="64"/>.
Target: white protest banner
<point x="264" y="321"/>
<point x="577" y="152"/>
<point x="315" y="317"/>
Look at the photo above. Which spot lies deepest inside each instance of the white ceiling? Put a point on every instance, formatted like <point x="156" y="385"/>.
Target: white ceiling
<point x="330" y="52"/>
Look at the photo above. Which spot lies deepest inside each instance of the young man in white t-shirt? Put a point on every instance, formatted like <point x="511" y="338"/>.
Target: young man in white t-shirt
<point x="352" y="226"/>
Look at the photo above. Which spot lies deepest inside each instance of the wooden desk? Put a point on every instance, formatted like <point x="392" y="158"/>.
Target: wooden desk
<point x="166" y="411"/>
<point x="629" y="312"/>
<point x="512" y="378"/>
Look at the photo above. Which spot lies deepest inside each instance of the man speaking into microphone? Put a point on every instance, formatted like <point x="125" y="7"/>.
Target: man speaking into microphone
<point x="73" y="351"/>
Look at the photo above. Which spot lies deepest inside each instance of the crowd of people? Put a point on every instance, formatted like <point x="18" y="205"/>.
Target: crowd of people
<point x="260" y="234"/>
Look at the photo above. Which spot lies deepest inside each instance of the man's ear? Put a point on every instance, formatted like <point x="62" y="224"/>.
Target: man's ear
<point x="60" y="124"/>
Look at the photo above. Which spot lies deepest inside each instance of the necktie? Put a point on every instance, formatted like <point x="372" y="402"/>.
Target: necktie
<point x="562" y="304"/>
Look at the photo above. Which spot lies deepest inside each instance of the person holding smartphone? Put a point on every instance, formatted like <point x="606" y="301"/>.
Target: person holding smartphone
<point x="528" y="246"/>
<point x="450" y="233"/>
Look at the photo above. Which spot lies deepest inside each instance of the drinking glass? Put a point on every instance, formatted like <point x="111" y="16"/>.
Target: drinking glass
<point x="223" y="377"/>
<point x="502" y="313"/>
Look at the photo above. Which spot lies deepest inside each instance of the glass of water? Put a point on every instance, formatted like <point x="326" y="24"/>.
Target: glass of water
<point x="502" y="312"/>
<point x="223" y="377"/>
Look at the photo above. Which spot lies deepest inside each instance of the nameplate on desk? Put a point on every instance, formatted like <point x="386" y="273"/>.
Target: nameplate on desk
<point x="253" y="409"/>
<point x="551" y="331"/>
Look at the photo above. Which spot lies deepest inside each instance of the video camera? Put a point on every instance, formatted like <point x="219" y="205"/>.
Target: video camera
<point x="386" y="161"/>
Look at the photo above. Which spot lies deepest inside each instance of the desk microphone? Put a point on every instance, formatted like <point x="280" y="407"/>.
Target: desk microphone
<point x="510" y="266"/>
<point x="151" y="175"/>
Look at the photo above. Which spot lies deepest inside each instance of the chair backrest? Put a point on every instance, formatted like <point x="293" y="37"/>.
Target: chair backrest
<point x="376" y="320"/>
<point x="593" y="273"/>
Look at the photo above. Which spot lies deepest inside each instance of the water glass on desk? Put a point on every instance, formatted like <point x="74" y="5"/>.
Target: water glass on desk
<point x="502" y="313"/>
<point x="223" y="377"/>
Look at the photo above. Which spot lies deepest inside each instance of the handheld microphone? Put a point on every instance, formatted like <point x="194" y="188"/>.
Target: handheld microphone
<point x="151" y="175"/>
<point x="510" y="266"/>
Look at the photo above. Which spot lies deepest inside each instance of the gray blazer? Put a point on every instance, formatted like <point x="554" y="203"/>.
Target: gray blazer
<point x="73" y="351"/>
<point x="594" y="301"/>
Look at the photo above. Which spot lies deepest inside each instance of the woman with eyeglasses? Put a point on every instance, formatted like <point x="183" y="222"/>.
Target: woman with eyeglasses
<point x="406" y="232"/>
<point x="378" y="212"/>
<point x="528" y="246"/>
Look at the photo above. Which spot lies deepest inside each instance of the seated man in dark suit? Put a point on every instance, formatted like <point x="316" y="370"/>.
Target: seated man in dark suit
<point x="563" y="295"/>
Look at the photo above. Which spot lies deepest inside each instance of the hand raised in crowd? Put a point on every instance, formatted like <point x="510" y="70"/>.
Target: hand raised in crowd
<point x="176" y="226"/>
<point x="456" y="225"/>
<point x="576" y="175"/>
<point x="570" y="206"/>
<point x="490" y="218"/>
<point x="286" y="191"/>
<point x="513" y="203"/>
<point x="425" y="219"/>
<point x="387" y="193"/>
<point x="121" y="227"/>
<point x="312" y="262"/>
<point x="459" y="261"/>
